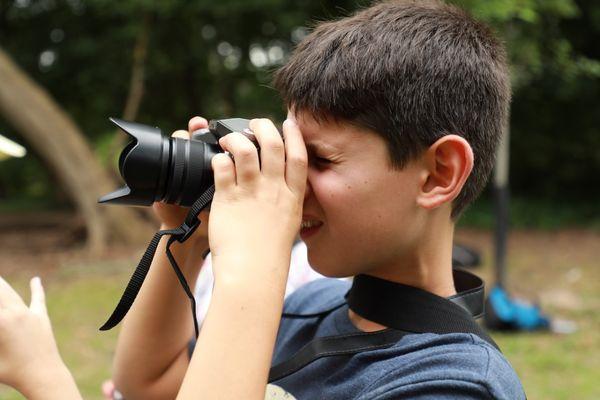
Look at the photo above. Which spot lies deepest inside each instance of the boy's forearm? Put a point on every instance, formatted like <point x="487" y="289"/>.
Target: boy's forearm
<point x="159" y="324"/>
<point x="234" y="349"/>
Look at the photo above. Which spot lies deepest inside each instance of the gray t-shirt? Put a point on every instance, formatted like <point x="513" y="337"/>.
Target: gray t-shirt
<point x="419" y="366"/>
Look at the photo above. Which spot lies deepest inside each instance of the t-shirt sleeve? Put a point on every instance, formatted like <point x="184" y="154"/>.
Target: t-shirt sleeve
<point x="469" y="372"/>
<point x="436" y="390"/>
<point x="450" y="389"/>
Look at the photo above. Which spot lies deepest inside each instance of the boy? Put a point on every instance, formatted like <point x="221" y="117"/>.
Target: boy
<point x="401" y="107"/>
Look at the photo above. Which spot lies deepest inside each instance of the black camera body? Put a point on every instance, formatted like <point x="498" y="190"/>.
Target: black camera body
<point x="170" y="169"/>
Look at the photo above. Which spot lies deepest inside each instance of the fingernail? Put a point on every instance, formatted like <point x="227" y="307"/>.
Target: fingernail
<point x="36" y="280"/>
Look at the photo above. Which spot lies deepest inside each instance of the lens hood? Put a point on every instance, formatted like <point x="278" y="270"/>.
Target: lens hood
<point x="142" y="163"/>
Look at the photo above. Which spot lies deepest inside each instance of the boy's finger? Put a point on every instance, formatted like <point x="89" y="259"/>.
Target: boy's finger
<point x="296" y="162"/>
<point x="38" y="297"/>
<point x="8" y="296"/>
<point x="197" y="123"/>
<point x="272" y="152"/>
<point x="245" y="156"/>
<point x="224" y="172"/>
<point x="181" y="134"/>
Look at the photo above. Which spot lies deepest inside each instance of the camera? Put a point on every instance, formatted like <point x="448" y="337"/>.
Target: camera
<point x="160" y="168"/>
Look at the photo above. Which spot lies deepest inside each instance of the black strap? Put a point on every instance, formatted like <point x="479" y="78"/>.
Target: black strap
<point x="335" y="346"/>
<point x="410" y="309"/>
<point x="470" y="292"/>
<point x="404" y="309"/>
<point x="180" y="234"/>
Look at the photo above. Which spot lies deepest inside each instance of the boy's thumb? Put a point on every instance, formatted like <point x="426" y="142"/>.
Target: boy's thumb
<point x="38" y="298"/>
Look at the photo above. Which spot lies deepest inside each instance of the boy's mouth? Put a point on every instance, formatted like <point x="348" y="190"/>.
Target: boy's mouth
<point x="309" y="227"/>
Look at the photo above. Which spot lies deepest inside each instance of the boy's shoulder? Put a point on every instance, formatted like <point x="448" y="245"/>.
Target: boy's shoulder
<point x="454" y="366"/>
<point x="419" y="365"/>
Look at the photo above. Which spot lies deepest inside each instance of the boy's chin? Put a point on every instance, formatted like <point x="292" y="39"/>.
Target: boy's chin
<point x="332" y="273"/>
<point x="328" y="267"/>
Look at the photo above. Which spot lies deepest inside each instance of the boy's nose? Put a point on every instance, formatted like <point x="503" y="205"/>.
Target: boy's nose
<point x="308" y="190"/>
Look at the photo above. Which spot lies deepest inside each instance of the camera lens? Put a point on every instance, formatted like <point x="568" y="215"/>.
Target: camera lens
<point x="189" y="171"/>
<point x="173" y="170"/>
<point x="159" y="168"/>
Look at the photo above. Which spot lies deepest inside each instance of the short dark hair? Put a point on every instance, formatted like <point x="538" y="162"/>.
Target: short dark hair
<point x="411" y="71"/>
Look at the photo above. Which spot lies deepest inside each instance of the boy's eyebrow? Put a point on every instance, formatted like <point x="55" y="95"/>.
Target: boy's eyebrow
<point x="319" y="146"/>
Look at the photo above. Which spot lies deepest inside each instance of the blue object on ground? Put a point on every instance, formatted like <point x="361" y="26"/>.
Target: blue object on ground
<point x="505" y="313"/>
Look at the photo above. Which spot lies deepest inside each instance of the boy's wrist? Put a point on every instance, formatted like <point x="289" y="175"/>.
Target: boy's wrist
<point x="260" y="277"/>
<point x="240" y="298"/>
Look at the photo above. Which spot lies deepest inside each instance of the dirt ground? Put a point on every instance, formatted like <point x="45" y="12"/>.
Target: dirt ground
<point x="540" y="260"/>
<point x="38" y="244"/>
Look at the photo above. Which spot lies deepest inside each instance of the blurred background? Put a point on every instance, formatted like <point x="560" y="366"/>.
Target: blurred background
<point x="68" y="65"/>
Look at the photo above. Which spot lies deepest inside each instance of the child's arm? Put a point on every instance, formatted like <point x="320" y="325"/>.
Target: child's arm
<point x="29" y="358"/>
<point x="151" y="355"/>
<point x="255" y="215"/>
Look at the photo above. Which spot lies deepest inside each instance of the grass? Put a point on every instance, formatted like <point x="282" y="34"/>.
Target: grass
<point x="81" y="295"/>
<point x="557" y="367"/>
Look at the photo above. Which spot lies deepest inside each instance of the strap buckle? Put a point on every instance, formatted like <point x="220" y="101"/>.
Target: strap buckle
<point x="188" y="230"/>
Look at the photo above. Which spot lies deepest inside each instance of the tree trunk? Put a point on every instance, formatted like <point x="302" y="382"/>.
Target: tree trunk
<point x="63" y="148"/>
<point x="138" y="67"/>
<point x="136" y="90"/>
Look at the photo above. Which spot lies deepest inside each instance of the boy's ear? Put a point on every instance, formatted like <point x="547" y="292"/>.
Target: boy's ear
<point x="447" y="165"/>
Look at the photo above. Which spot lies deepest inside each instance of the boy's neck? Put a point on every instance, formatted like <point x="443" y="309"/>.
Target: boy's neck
<point x="428" y="268"/>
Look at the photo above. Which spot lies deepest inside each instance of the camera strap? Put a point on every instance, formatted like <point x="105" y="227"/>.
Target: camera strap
<point x="180" y="234"/>
<point x="403" y="309"/>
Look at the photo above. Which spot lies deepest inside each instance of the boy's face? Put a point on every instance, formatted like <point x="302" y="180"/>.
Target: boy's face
<point x="368" y="219"/>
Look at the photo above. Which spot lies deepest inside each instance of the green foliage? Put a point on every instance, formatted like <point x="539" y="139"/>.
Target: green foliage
<point x="215" y="59"/>
<point x="534" y="213"/>
<point x="555" y="64"/>
<point x="538" y="37"/>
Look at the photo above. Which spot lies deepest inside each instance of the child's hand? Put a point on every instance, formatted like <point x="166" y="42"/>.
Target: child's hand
<point x="257" y="207"/>
<point x="27" y="345"/>
<point x="171" y="215"/>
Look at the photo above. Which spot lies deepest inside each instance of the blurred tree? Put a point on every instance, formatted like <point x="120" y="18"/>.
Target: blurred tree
<point x="215" y="58"/>
<point x="555" y="69"/>
<point x="53" y="135"/>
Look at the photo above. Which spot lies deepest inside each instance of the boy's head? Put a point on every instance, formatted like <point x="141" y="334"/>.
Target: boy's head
<point x="410" y="71"/>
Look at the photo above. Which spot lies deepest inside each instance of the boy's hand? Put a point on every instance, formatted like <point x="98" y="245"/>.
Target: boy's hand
<point x="171" y="215"/>
<point x="257" y="207"/>
<point x="28" y="352"/>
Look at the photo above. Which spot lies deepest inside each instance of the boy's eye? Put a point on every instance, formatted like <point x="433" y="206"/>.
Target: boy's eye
<point x="320" y="160"/>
